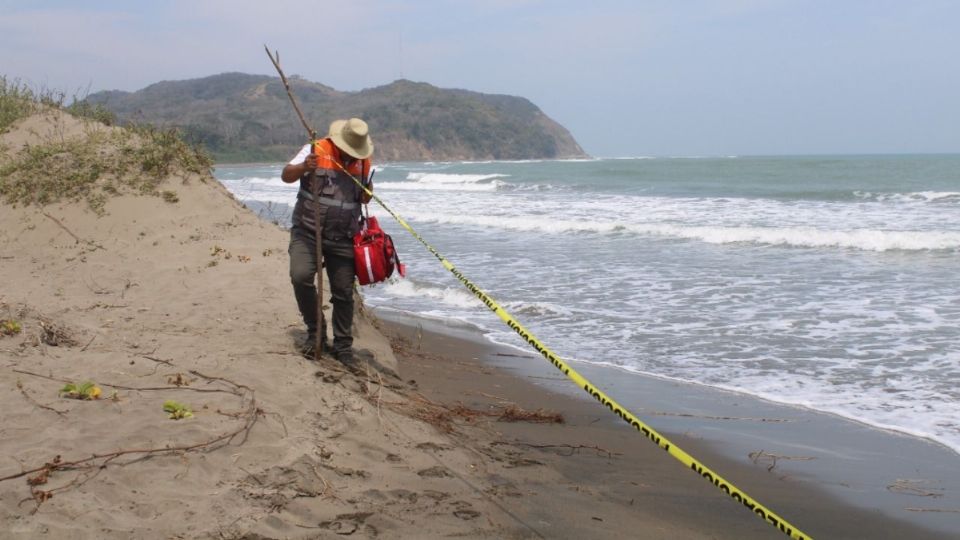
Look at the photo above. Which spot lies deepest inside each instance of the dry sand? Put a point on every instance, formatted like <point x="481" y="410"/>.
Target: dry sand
<point x="190" y="301"/>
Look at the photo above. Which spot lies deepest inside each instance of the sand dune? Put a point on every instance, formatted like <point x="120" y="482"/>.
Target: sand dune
<point x="190" y="301"/>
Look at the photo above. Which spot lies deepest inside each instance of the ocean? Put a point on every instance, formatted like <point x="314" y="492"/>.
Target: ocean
<point x="827" y="282"/>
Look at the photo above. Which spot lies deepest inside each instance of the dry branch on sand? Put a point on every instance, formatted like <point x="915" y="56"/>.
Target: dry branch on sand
<point x="443" y="416"/>
<point x="91" y="466"/>
<point x="564" y="450"/>
<point x="762" y="456"/>
<point x="915" y="487"/>
<point x="35" y="402"/>
<point x="514" y="413"/>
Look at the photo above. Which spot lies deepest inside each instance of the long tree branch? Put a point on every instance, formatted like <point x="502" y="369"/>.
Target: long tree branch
<point x="275" y="59"/>
<point x="318" y="239"/>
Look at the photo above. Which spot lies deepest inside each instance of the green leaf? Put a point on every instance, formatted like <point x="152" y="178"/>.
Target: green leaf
<point x="177" y="410"/>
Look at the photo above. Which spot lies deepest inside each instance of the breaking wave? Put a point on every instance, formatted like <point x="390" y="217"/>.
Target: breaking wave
<point x="939" y="197"/>
<point x="804" y="237"/>
<point x="446" y="182"/>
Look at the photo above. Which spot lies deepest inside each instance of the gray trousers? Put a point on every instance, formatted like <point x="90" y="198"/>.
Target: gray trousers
<point x="338" y="258"/>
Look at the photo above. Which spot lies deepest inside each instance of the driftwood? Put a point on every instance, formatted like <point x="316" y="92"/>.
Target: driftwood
<point x="914" y="487"/>
<point x="75" y="237"/>
<point x="761" y="455"/>
<point x="564" y="450"/>
<point x="442" y="415"/>
<point x="62" y="226"/>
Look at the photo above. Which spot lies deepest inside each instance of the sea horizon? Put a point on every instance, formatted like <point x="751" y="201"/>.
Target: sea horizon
<point x="629" y="157"/>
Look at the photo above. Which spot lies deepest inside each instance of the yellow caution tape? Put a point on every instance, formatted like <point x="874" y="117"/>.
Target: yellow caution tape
<point x="721" y="483"/>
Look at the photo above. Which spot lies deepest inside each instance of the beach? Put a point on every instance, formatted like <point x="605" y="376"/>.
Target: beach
<point x="443" y="434"/>
<point x="824" y="282"/>
<point x="635" y="485"/>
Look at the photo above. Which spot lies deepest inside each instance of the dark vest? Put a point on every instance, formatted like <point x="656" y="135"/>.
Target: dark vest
<point x="340" y="196"/>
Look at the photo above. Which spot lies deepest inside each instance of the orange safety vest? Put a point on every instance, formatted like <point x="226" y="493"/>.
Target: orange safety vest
<point x="328" y="157"/>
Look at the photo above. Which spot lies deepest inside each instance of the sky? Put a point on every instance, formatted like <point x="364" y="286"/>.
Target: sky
<point x="627" y="78"/>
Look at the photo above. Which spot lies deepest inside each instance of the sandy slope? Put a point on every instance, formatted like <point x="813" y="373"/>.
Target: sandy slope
<point x="153" y="294"/>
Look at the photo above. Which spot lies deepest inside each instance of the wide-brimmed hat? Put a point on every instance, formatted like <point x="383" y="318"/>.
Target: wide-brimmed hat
<point x="352" y="136"/>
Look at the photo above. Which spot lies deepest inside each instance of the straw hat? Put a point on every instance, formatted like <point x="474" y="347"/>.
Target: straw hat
<point x="352" y="136"/>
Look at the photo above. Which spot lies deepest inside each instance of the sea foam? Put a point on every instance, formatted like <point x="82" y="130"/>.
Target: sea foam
<point x="939" y="197"/>
<point x="420" y="181"/>
<point x="802" y="237"/>
<point x="452" y="297"/>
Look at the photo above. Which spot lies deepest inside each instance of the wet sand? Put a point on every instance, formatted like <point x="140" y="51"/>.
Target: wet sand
<point x="614" y="480"/>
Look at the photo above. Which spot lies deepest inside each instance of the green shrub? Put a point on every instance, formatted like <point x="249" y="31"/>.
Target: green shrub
<point x="96" y="112"/>
<point x="16" y="101"/>
<point x="83" y="391"/>
<point x="9" y="327"/>
<point x="102" y="163"/>
<point x="164" y="147"/>
<point x="176" y="410"/>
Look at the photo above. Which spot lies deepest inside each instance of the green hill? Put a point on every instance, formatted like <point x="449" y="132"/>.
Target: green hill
<point x="241" y="117"/>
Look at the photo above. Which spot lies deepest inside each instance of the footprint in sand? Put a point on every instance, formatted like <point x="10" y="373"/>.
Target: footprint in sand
<point x="464" y="511"/>
<point x="347" y="524"/>
<point x="435" y="472"/>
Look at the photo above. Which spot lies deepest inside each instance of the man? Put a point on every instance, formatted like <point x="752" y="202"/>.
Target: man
<point x="345" y="152"/>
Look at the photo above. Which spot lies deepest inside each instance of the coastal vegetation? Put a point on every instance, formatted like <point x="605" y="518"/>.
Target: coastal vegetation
<point x="9" y="327"/>
<point x="90" y="163"/>
<point x="176" y="410"/>
<point x="84" y="391"/>
<point x="16" y="102"/>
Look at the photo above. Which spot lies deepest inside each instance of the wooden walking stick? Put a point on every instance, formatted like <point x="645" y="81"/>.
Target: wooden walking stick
<point x="321" y="324"/>
<point x="315" y="191"/>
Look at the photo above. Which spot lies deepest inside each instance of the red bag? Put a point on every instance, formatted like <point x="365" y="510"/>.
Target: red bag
<point x="375" y="256"/>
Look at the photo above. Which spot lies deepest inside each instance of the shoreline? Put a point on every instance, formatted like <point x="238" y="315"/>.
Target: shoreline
<point x="470" y="331"/>
<point x="892" y="431"/>
<point x="909" y="479"/>
<point x="853" y="479"/>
